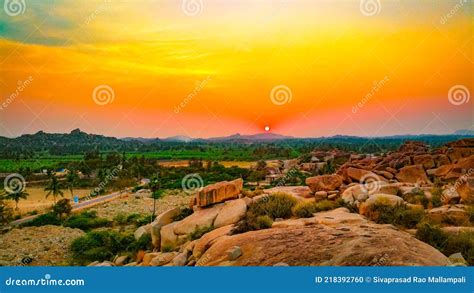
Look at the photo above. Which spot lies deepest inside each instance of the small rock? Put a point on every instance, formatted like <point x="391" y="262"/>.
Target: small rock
<point x="234" y="253"/>
<point x="457" y="259"/>
<point x="281" y="264"/>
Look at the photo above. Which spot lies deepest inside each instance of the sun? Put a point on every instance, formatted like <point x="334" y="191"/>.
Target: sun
<point x="267" y="128"/>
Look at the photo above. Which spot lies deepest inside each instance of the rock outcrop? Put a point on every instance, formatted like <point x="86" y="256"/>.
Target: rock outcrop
<point x="219" y="192"/>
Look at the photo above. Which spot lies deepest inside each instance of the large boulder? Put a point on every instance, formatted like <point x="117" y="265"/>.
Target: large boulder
<point x="358" y="174"/>
<point x="201" y="218"/>
<point x="311" y="243"/>
<point x="168" y="238"/>
<point x="163" y="258"/>
<point x="425" y="160"/>
<point x="324" y="182"/>
<point x="160" y="221"/>
<point x="219" y="192"/>
<point x="413" y="174"/>
<point x="298" y="192"/>
<point x="207" y="239"/>
<point x="141" y="231"/>
<point x="449" y="214"/>
<point x="232" y="212"/>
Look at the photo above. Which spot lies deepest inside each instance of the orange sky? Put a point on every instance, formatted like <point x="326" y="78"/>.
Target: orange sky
<point x="210" y="71"/>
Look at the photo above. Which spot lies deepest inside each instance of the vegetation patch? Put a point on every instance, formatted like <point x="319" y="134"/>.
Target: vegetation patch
<point x="307" y="209"/>
<point x="86" y="221"/>
<point x="399" y="215"/>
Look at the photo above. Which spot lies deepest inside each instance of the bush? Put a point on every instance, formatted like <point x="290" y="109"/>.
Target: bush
<point x="277" y="205"/>
<point x="399" y="215"/>
<point x="251" y="194"/>
<point x="417" y="197"/>
<point x="436" y="197"/>
<point x="307" y="209"/>
<point x="62" y="207"/>
<point x="86" y="221"/>
<point x="260" y="214"/>
<point x="139" y="219"/>
<point x="100" y="246"/>
<point x="462" y="242"/>
<point x="45" y="219"/>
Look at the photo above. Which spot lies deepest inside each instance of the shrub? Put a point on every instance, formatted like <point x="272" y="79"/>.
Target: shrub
<point x="45" y="219"/>
<point x="143" y="243"/>
<point x="198" y="232"/>
<point x="417" y="197"/>
<point x="120" y="219"/>
<point x="139" y="219"/>
<point x="470" y="210"/>
<point x="398" y="215"/>
<point x="263" y="222"/>
<point x="184" y="212"/>
<point x="100" y="246"/>
<point x="462" y="242"/>
<point x="251" y="194"/>
<point x="277" y="205"/>
<point x="307" y="209"/>
<point x="266" y="209"/>
<point x="62" y="207"/>
<point x="436" y="197"/>
<point x="86" y="221"/>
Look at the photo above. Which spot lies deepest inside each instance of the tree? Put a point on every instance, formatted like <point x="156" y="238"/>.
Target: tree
<point x="6" y="213"/>
<point x="71" y="181"/>
<point x="54" y="187"/>
<point x="63" y="207"/>
<point x="17" y="196"/>
<point x="156" y="193"/>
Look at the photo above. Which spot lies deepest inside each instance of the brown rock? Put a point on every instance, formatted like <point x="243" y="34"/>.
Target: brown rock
<point x="205" y="241"/>
<point x="413" y="174"/>
<point x="449" y="214"/>
<point x="219" y="192"/>
<point x="314" y="244"/>
<point x="425" y="160"/>
<point x="167" y="236"/>
<point x="160" y="221"/>
<point x="324" y="182"/>
<point x="163" y="258"/>
<point x="232" y="212"/>
<point x="148" y="257"/>
<point x="201" y="218"/>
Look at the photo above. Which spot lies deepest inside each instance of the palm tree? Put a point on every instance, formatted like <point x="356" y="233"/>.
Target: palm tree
<point x="16" y="196"/>
<point x="71" y="181"/>
<point x="55" y="188"/>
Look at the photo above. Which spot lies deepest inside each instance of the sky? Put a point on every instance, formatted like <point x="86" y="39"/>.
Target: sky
<point x="207" y="68"/>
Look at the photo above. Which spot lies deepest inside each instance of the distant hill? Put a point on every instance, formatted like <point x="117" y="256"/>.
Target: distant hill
<point x="465" y="132"/>
<point x="79" y="142"/>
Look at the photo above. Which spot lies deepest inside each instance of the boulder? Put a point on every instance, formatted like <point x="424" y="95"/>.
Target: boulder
<point x="163" y="258"/>
<point x="449" y="214"/>
<point x="168" y="238"/>
<point x="232" y="212"/>
<point x="441" y="160"/>
<point x="148" y="257"/>
<point x="357" y="174"/>
<point x="316" y="244"/>
<point x="121" y="260"/>
<point x="163" y="219"/>
<point x="425" y="160"/>
<point x="412" y="174"/>
<point x="465" y="189"/>
<point x="143" y="230"/>
<point x="324" y="182"/>
<point x="458" y="260"/>
<point x="463" y="167"/>
<point x="320" y="195"/>
<point x="297" y="192"/>
<point x="205" y="241"/>
<point x="180" y="260"/>
<point x="201" y="218"/>
<point x="219" y="192"/>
